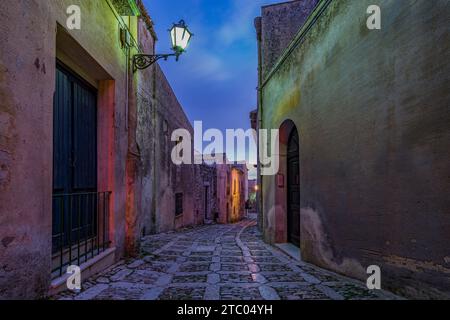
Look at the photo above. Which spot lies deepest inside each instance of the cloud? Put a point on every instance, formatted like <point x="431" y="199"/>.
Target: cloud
<point x="240" y="23"/>
<point x="208" y="66"/>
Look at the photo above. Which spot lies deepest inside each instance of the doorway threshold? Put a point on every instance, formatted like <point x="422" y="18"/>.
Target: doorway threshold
<point x="291" y="250"/>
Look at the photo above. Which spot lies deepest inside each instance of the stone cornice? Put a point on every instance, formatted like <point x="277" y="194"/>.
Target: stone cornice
<point x="126" y="7"/>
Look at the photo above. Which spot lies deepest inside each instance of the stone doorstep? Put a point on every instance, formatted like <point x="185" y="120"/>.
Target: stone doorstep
<point x="88" y="269"/>
<point x="290" y="249"/>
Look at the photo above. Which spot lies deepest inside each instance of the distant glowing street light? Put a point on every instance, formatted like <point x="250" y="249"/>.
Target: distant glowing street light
<point x="256" y="188"/>
<point x="180" y="37"/>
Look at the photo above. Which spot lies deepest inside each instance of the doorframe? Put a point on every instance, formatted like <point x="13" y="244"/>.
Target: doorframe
<point x="280" y="219"/>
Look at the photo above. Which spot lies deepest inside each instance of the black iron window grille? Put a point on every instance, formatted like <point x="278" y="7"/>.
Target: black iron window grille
<point x="80" y="228"/>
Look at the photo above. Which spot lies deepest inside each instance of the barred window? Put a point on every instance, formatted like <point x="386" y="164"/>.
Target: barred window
<point x="178" y="204"/>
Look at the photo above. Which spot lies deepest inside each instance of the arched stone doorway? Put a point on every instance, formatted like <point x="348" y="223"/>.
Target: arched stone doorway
<point x="287" y="195"/>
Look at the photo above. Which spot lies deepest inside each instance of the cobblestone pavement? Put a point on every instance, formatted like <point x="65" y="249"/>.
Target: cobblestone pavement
<point x="228" y="262"/>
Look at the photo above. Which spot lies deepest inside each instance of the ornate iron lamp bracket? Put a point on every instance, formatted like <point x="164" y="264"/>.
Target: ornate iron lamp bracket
<point x="143" y="61"/>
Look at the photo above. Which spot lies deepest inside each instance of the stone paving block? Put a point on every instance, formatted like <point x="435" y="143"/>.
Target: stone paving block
<point x="320" y="274"/>
<point x="204" y="249"/>
<point x="269" y="259"/>
<point x="232" y="259"/>
<point x="283" y="277"/>
<point x="135" y="264"/>
<point x="235" y="278"/>
<point x="199" y="259"/>
<point x="155" y="266"/>
<point x="256" y="248"/>
<point x="165" y="258"/>
<point x="233" y="253"/>
<point x="213" y="278"/>
<point x="303" y="292"/>
<point x="171" y="253"/>
<point x="194" y="267"/>
<point x="353" y="292"/>
<point x="91" y="293"/>
<point x="102" y="280"/>
<point x="122" y="291"/>
<point x="190" y="279"/>
<point x="230" y="247"/>
<point x="142" y="277"/>
<point x="180" y="293"/>
<point x="259" y="253"/>
<point x="179" y="248"/>
<point x="234" y="267"/>
<point x="120" y="275"/>
<point x="268" y="293"/>
<point x="239" y="293"/>
<point x="202" y="253"/>
<point x="274" y="267"/>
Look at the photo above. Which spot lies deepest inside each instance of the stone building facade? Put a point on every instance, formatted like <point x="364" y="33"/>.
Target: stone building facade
<point x="252" y="196"/>
<point x="223" y="176"/>
<point x="232" y="190"/>
<point x="85" y="144"/>
<point x="239" y="192"/>
<point x="364" y="138"/>
<point x="206" y="208"/>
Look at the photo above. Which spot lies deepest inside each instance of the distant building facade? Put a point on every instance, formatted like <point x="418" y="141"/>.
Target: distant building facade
<point x="364" y="138"/>
<point x="231" y="190"/>
<point x="252" y="196"/>
<point x="206" y="193"/>
<point x="239" y="185"/>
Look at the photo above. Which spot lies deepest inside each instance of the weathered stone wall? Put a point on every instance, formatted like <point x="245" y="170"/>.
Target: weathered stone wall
<point x="25" y="128"/>
<point x="140" y="180"/>
<point x="171" y="179"/>
<point x="372" y="111"/>
<point x="280" y="24"/>
<point x="223" y="191"/>
<point x="27" y="62"/>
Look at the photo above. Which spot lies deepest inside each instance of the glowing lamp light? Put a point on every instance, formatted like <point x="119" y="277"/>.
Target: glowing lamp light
<point x="256" y="188"/>
<point x="180" y="36"/>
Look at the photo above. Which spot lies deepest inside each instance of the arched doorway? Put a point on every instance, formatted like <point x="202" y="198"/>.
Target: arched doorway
<point x="293" y="188"/>
<point x="287" y="192"/>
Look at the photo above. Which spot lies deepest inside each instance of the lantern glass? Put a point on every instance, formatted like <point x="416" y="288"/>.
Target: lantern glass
<point x="180" y="36"/>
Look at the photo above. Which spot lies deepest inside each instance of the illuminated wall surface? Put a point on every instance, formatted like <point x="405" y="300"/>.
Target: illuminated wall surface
<point x="237" y="211"/>
<point x="372" y="112"/>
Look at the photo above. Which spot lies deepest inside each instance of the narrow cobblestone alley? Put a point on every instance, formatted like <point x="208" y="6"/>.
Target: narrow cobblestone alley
<point x="217" y="262"/>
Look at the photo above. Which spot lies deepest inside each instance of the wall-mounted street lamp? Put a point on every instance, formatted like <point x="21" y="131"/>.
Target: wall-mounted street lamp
<point x="180" y="36"/>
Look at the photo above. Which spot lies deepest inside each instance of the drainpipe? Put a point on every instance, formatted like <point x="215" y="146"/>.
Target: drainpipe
<point x="154" y="228"/>
<point x="260" y="208"/>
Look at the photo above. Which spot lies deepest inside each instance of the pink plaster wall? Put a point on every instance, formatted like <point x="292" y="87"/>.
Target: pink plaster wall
<point x="27" y="83"/>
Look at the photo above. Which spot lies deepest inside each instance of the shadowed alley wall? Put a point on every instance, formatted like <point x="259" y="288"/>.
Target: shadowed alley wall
<point x="373" y="110"/>
<point x="27" y="58"/>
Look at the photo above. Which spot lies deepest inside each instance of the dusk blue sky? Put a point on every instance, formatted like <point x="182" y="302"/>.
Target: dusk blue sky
<point x="216" y="79"/>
